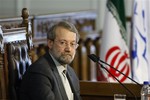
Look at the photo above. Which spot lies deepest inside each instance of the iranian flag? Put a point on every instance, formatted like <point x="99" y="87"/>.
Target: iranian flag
<point x="114" y="49"/>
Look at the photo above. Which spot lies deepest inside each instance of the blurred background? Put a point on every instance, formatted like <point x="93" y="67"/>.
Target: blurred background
<point x="11" y="8"/>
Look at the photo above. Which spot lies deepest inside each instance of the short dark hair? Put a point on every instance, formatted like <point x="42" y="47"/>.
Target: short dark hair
<point x="65" y="24"/>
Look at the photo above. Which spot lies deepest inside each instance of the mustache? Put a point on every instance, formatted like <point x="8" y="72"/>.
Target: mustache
<point x="65" y="54"/>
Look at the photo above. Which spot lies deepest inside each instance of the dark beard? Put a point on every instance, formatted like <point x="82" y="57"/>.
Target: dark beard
<point x="65" y="59"/>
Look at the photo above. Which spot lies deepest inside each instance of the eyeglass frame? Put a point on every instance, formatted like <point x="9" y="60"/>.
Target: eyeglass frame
<point x="64" y="43"/>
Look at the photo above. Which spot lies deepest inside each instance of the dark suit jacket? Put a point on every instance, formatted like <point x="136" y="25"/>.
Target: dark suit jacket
<point x="42" y="81"/>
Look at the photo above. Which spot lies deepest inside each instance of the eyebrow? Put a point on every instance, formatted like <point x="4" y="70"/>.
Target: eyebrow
<point x="67" y="41"/>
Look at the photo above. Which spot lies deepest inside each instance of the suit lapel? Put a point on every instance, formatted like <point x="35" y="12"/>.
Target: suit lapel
<point x="57" y="76"/>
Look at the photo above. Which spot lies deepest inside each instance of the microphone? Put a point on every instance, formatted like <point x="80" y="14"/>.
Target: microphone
<point x="96" y="59"/>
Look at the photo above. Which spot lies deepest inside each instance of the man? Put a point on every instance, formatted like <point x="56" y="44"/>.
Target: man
<point x="46" y="79"/>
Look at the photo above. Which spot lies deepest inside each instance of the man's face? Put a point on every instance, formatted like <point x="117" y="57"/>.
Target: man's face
<point x="63" y="48"/>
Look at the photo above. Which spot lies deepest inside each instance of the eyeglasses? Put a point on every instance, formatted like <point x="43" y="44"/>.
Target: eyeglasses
<point x="63" y="43"/>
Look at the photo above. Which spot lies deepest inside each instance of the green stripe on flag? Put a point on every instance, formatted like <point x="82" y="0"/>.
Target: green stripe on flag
<point x="116" y="7"/>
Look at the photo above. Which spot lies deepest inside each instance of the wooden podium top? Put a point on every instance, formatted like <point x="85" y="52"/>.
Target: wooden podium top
<point x="105" y="90"/>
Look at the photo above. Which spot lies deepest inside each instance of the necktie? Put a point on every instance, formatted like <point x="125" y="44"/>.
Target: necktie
<point x="67" y="86"/>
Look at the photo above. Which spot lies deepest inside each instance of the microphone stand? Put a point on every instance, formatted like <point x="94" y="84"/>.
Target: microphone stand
<point x="97" y="59"/>
<point x="116" y="79"/>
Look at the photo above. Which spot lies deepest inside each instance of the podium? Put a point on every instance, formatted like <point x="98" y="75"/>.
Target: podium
<point x="106" y="90"/>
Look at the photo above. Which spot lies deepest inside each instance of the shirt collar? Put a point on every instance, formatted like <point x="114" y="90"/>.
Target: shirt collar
<point x="60" y="67"/>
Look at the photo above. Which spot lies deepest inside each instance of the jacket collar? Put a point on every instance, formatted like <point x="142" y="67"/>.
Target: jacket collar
<point x="56" y="75"/>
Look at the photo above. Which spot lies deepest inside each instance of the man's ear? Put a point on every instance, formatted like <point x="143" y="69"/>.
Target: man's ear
<point x="50" y="43"/>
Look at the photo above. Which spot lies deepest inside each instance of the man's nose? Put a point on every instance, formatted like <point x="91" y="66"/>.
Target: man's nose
<point x="68" y="47"/>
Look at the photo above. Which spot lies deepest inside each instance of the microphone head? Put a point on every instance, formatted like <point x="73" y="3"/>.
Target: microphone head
<point x="93" y="57"/>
